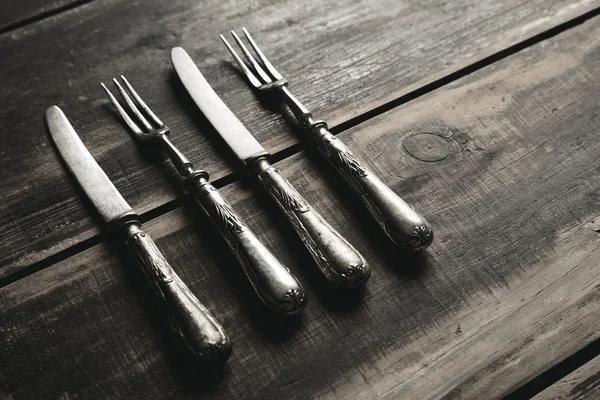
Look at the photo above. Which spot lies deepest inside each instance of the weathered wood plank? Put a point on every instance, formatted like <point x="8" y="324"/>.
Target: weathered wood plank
<point x="343" y="58"/>
<point x="15" y="12"/>
<point x="583" y="383"/>
<point x="508" y="289"/>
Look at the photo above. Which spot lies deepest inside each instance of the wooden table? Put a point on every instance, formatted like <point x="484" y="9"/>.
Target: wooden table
<point x="483" y="114"/>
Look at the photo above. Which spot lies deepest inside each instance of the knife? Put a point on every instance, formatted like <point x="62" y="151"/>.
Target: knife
<point x="338" y="261"/>
<point x="201" y="334"/>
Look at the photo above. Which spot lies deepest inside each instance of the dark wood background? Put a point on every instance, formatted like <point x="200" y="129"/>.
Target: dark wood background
<point x="483" y="114"/>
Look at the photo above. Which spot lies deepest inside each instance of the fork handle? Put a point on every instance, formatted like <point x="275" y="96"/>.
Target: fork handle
<point x="274" y="284"/>
<point x="201" y="334"/>
<point x="400" y="222"/>
<point x="339" y="262"/>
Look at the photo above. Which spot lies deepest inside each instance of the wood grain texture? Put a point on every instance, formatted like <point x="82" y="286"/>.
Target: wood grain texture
<point x="509" y="288"/>
<point x="581" y="384"/>
<point x="16" y="12"/>
<point x="342" y="58"/>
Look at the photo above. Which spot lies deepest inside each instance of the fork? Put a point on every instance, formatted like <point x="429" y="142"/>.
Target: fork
<point x="400" y="222"/>
<point x="274" y="284"/>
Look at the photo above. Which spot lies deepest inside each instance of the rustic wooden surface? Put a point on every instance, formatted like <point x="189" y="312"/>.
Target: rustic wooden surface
<point x="582" y="384"/>
<point x="343" y="58"/>
<point x="17" y="13"/>
<point x="503" y="162"/>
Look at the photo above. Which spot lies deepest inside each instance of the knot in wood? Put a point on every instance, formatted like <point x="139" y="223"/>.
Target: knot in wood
<point x="427" y="147"/>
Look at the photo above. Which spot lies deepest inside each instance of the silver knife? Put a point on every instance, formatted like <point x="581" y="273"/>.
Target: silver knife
<point x="201" y="334"/>
<point x="340" y="263"/>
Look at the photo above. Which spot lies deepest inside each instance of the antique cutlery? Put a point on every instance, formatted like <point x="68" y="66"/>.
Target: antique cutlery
<point x="339" y="262"/>
<point x="400" y="222"/>
<point x="274" y="284"/>
<point x="201" y="334"/>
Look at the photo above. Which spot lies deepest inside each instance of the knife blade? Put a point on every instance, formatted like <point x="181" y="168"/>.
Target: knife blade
<point x="200" y="333"/>
<point x="237" y="137"/>
<point x="338" y="260"/>
<point x="96" y="185"/>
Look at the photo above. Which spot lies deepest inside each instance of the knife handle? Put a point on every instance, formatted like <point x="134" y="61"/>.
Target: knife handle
<point x="274" y="284"/>
<point x="201" y="334"/>
<point x="400" y="222"/>
<point x="341" y="263"/>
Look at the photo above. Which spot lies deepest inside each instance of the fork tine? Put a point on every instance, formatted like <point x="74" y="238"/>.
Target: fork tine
<point x="264" y="59"/>
<point x="132" y="106"/>
<point x="251" y="58"/>
<point x="142" y="104"/>
<point x="253" y="80"/>
<point x="136" y="130"/>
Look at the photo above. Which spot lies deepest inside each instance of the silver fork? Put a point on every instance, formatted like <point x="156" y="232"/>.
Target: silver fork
<point x="400" y="222"/>
<point x="274" y="284"/>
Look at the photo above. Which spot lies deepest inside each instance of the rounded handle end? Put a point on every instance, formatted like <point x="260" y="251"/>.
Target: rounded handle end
<point x="400" y="222"/>
<point x="356" y="275"/>
<point x="199" y="331"/>
<point x="412" y="238"/>
<point x="339" y="261"/>
<point x="214" y="353"/>
<point x="292" y="302"/>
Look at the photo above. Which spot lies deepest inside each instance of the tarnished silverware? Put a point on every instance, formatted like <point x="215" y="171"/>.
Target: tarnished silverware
<point x="400" y="222"/>
<point x="190" y="320"/>
<point x="274" y="284"/>
<point x="339" y="262"/>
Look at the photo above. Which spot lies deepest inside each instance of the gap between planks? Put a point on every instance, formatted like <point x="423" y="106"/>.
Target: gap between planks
<point x="42" y="15"/>
<point x="587" y="357"/>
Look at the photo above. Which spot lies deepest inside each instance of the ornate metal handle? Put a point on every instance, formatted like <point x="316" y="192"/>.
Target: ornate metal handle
<point x="201" y="334"/>
<point x="274" y="284"/>
<point x="401" y="223"/>
<point x="341" y="263"/>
